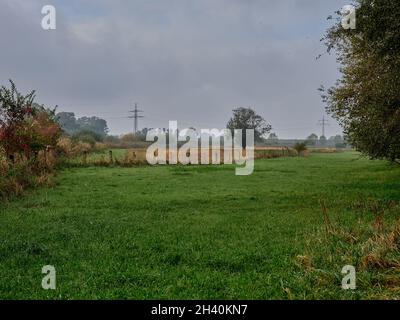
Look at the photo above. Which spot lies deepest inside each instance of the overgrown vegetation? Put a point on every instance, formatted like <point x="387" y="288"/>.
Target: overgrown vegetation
<point x="28" y="137"/>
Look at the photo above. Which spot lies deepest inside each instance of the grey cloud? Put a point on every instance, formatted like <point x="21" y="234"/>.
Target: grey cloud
<point x="191" y="61"/>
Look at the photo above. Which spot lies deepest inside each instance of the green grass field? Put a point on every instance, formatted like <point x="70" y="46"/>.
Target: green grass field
<point x="199" y="232"/>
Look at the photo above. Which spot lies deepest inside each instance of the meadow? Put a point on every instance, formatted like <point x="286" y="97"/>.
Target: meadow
<point x="200" y="232"/>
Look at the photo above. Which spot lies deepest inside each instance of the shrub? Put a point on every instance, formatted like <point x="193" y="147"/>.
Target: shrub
<point x="28" y="137"/>
<point x="87" y="136"/>
<point x="24" y="173"/>
<point x="25" y="127"/>
<point x="301" y="148"/>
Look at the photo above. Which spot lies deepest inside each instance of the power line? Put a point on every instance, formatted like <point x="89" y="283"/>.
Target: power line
<point x="135" y="117"/>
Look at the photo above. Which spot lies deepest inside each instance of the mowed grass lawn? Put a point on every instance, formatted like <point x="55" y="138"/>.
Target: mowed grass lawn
<point x="196" y="232"/>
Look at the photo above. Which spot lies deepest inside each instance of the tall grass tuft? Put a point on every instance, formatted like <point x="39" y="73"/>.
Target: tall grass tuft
<point x="373" y="248"/>
<point x="24" y="173"/>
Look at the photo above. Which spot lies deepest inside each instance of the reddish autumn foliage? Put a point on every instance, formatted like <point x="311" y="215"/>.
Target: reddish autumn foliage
<point x="25" y="127"/>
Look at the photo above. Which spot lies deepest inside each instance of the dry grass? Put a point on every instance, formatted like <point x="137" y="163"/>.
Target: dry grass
<point x="305" y="262"/>
<point x="83" y="156"/>
<point x="380" y="249"/>
<point x="373" y="249"/>
<point x="71" y="149"/>
<point x="23" y="173"/>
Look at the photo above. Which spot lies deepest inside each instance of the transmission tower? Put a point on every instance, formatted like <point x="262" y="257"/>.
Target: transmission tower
<point x="323" y="123"/>
<point x="136" y="115"/>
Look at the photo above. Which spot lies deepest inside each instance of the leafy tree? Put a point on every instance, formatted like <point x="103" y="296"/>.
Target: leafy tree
<point x="247" y="118"/>
<point x="273" y="136"/>
<point x="339" y="141"/>
<point x="272" y="139"/>
<point x="95" y="124"/>
<point x="73" y="126"/>
<point x="312" y="139"/>
<point x="67" y="122"/>
<point x="141" y="134"/>
<point x="322" y="140"/>
<point x="366" y="100"/>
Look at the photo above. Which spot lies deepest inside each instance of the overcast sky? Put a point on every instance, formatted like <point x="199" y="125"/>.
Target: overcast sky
<point x="187" y="60"/>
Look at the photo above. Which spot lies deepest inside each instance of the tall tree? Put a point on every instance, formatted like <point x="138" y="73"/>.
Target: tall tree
<point x="74" y="126"/>
<point x="273" y="138"/>
<point x="67" y="122"/>
<point x="312" y="139"/>
<point x="366" y="99"/>
<point x="94" y="124"/>
<point x="247" y="118"/>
